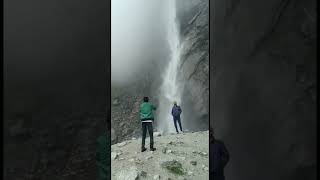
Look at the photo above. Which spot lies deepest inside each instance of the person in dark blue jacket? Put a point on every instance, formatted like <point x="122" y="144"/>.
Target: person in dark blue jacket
<point x="219" y="158"/>
<point x="175" y="112"/>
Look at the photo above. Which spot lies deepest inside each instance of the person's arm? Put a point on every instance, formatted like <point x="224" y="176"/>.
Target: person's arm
<point x="154" y="107"/>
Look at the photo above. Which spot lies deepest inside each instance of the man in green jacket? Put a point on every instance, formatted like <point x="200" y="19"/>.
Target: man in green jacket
<point x="147" y="118"/>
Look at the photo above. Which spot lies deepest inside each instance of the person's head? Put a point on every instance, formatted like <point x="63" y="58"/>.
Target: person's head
<point x="175" y="103"/>
<point x="145" y="99"/>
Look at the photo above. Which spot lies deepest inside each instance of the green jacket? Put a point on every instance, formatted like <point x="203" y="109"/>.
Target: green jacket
<point x="103" y="157"/>
<point x="146" y="109"/>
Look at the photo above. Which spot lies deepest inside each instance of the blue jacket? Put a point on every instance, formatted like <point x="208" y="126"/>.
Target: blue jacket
<point x="176" y="111"/>
<point x="220" y="159"/>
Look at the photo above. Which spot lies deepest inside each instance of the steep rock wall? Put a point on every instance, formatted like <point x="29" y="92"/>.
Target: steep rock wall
<point x="193" y="18"/>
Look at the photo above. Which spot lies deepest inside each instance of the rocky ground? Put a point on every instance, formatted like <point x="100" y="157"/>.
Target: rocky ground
<point x="178" y="156"/>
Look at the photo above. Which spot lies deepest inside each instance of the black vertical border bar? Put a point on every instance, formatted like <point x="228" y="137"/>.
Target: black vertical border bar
<point x="209" y="49"/>
<point x="109" y="110"/>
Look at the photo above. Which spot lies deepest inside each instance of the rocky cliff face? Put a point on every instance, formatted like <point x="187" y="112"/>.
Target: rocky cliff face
<point x="126" y="100"/>
<point x="263" y="84"/>
<point x="193" y="18"/>
<point x="125" y="122"/>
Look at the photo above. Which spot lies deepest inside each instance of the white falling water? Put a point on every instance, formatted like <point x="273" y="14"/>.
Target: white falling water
<point x="170" y="89"/>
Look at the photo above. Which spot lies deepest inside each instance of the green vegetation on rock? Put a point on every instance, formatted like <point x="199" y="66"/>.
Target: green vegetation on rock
<point x="174" y="167"/>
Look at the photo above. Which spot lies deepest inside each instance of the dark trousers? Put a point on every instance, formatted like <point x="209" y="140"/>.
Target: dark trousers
<point x="145" y="126"/>
<point x="175" y="120"/>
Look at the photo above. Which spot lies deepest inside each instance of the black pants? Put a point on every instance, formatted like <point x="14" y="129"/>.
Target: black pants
<point x="145" y="126"/>
<point x="175" y="120"/>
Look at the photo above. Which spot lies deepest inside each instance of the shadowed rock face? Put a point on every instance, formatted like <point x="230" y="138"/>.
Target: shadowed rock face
<point x="263" y="84"/>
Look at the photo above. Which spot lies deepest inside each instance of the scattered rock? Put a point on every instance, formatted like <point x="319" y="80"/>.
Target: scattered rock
<point x="122" y="144"/>
<point x="131" y="174"/>
<point x="203" y="153"/>
<point x="174" y="167"/>
<point x="164" y="150"/>
<point x="138" y="162"/>
<point x="193" y="163"/>
<point x="121" y="124"/>
<point x="116" y="102"/>
<point x="143" y="174"/>
<point x="114" y="155"/>
<point x="156" y="134"/>
<point x="156" y="177"/>
<point x="205" y="168"/>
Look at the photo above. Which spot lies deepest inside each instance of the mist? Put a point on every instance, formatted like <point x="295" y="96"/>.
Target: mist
<point x="138" y="38"/>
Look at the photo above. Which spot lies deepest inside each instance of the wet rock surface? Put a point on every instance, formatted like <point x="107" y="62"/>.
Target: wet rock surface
<point x="194" y="26"/>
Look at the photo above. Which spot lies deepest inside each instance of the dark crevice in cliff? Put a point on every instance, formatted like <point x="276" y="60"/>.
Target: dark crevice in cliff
<point x="202" y="58"/>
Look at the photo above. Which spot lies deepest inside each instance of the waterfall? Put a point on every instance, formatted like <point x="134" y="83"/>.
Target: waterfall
<point x="170" y="89"/>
